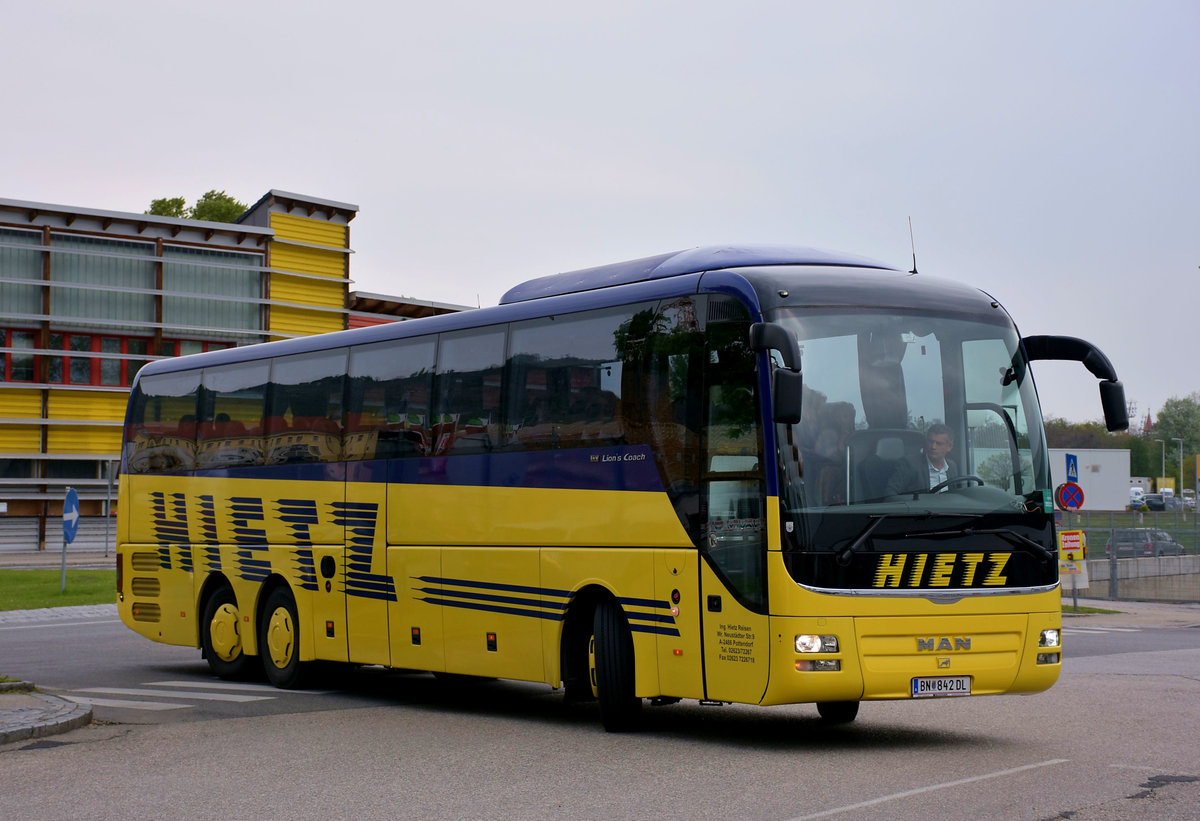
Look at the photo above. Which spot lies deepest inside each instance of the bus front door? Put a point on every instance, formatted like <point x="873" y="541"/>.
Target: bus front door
<point x="736" y="644"/>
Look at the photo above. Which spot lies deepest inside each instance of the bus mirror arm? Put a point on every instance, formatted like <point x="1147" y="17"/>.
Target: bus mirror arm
<point x="787" y="383"/>
<point x="767" y="336"/>
<point x="1069" y="348"/>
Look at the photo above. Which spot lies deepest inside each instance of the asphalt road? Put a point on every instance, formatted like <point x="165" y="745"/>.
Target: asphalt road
<point x="1116" y="738"/>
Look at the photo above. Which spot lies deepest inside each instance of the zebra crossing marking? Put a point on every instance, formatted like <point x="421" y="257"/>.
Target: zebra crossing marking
<point x="125" y="704"/>
<point x="228" y="691"/>
<point x="233" y="685"/>
<point x="191" y="694"/>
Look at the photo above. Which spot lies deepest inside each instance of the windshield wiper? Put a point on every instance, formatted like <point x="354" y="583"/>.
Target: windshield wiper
<point x="1037" y="549"/>
<point x="842" y="557"/>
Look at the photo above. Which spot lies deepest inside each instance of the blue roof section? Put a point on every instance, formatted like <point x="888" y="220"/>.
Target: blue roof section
<point x="695" y="260"/>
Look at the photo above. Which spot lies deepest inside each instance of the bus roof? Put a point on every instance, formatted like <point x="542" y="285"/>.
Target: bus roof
<point x="650" y="278"/>
<point x="695" y="260"/>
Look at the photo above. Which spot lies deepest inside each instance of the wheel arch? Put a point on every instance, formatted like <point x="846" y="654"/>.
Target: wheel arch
<point x="576" y="632"/>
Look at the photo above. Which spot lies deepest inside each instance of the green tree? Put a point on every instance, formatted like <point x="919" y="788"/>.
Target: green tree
<point x="217" y="206"/>
<point x="168" y="207"/>
<point x="1178" y="419"/>
<point x="1143" y="459"/>
<point x="1063" y="434"/>
<point x="213" y="206"/>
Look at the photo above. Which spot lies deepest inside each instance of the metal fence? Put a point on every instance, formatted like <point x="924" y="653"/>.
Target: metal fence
<point x="1165" y="578"/>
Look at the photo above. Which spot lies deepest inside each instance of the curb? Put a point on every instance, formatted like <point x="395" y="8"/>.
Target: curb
<point x="54" y="715"/>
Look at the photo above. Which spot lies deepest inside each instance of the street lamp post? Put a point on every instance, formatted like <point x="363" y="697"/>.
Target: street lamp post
<point x="1163" y="471"/>
<point x="1179" y="495"/>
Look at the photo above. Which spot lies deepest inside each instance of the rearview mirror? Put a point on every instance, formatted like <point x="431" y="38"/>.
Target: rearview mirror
<point x="787" y="383"/>
<point x="1071" y="349"/>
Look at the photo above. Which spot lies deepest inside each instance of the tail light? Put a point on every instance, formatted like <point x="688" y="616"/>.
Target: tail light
<point x="120" y="577"/>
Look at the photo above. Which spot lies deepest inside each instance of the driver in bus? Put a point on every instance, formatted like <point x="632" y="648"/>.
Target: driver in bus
<point x="931" y="468"/>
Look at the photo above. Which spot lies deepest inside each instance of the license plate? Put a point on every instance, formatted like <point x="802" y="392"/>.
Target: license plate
<point x="933" y="686"/>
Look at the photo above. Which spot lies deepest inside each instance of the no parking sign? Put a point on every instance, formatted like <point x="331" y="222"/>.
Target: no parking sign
<point x="1068" y="496"/>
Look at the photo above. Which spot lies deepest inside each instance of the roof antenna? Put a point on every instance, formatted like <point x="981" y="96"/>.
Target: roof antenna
<point x="914" y="247"/>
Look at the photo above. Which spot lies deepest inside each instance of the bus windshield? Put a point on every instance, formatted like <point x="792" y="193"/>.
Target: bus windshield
<point x="908" y="417"/>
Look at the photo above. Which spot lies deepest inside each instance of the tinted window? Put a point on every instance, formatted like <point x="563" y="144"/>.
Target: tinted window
<point x="231" y="426"/>
<point x="662" y="350"/>
<point x="469" y="389"/>
<point x="161" y="434"/>
<point x="388" y="414"/>
<point x="732" y="435"/>
<point x="305" y="419"/>
<point x="565" y="388"/>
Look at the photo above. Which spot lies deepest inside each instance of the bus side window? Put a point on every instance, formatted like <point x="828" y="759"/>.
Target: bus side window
<point x="304" y="419"/>
<point x="663" y="353"/>
<point x="565" y="381"/>
<point x="161" y="435"/>
<point x="231" y="424"/>
<point x="469" y="388"/>
<point x="388" y="413"/>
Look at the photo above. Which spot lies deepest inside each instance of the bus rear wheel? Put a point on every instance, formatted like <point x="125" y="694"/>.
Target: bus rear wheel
<point x="612" y="674"/>
<point x="838" y="712"/>
<point x="279" y="640"/>
<point x="221" y="636"/>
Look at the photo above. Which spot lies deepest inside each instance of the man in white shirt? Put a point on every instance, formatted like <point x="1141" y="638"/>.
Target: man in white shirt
<point x="930" y="471"/>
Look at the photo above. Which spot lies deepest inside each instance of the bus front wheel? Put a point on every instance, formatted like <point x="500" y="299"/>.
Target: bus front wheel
<point x="279" y="639"/>
<point x="612" y="668"/>
<point x="837" y="712"/>
<point x="221" y="636"/>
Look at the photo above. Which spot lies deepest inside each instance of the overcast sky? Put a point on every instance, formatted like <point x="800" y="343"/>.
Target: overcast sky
<point x="1047" y="152"/>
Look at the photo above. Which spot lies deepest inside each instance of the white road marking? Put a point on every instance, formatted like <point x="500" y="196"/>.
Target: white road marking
<point x="233" y="685"/>
<point x="883" y="799"/>
<point x="134" y="691"/>
<point x="57" y="624"/>
<point x="130" y="705"/>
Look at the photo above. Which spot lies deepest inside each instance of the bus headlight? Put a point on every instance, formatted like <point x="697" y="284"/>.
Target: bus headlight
<point x="816" y="644"/>
<point x="1050" y="638"/>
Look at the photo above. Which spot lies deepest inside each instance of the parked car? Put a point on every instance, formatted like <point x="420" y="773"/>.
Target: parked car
<point x="1136" y="542"/>
<point x="1153" y="501"/>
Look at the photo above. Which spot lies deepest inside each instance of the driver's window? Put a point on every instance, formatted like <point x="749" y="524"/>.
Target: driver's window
<point x="995" y="419"/>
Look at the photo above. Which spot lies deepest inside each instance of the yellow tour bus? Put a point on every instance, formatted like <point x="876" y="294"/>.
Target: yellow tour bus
<point x="738" y="475"/>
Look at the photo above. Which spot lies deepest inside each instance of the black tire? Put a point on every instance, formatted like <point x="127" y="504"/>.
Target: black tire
<point x="577" y="660"/>
<point x="614" y="676"/>
<point x="279" y="640"/>
<point x="221" y="636"/>
<point x="837" y="712"/>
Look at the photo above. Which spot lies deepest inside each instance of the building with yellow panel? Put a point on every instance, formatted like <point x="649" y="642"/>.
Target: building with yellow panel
<point x="88" y="296"/>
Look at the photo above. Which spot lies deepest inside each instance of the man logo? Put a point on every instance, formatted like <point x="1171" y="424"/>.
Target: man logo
<point x="943" y="643"/>
<point x="943" y="662"/>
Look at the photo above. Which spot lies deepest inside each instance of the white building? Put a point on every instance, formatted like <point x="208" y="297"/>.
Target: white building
<point x="1103" y="475"/>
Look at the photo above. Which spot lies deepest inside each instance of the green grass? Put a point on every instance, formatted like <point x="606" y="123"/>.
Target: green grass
<point x="33" y="589"/>
<point x="1090" y="610"/>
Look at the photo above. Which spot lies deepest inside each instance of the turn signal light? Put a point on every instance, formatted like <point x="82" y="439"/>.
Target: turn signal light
<point x="818" y="665"/>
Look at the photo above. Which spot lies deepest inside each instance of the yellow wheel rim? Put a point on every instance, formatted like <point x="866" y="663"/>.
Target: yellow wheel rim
<point x="592" y="666"/>
<point x="224" y="633"/>
<point x="281" y="637"/>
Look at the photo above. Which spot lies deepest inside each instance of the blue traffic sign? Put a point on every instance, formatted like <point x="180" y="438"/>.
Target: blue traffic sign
<point x="1072" y="468"/>
<point x="70" y="515"/>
